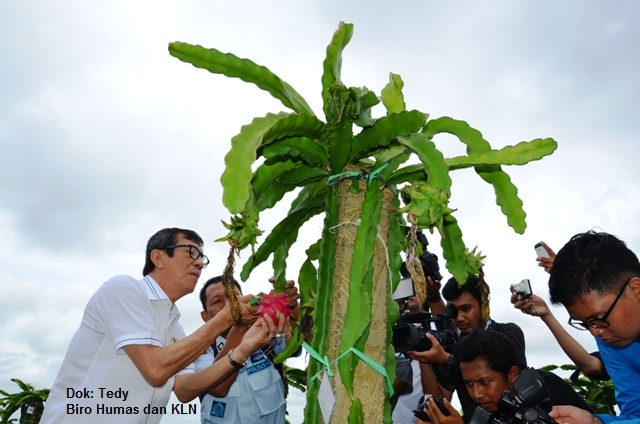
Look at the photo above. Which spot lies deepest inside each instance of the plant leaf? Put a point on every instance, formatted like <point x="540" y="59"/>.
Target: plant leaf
<point x="392" y="96"/>
<point x="298" y="149"/>
<point x="434" y="165"/>
<point x="506" y="192"/>
<point x="332" y="65"/>
<point x="520" y="154"/>
<point x="266" y="189"/>
<point x="237" y="173"/>
<point x="282" y="231"/>
<point x="383" y="131"/>
<point x="296" y="125"/>
<point x="506" y="196"/>
<point x="453" y="249"/>
<point x="232" y="66"/>
<point x="414" y="172"/>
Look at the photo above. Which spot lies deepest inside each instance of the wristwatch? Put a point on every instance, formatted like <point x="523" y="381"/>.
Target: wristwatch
<point x="235" y="364"/>
<point x="450" y="365"/>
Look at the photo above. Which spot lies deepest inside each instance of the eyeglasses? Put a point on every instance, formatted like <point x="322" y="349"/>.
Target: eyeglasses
<point x="600" y="322"/>
<point x="194" y="252"/>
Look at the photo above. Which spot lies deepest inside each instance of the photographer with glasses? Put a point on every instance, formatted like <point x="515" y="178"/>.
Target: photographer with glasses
<point x="130" y="352"/>
<point x="597" y="279"/>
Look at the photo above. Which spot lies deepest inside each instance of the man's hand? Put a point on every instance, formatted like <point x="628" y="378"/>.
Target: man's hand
<point x="433" y="287"/>
<point x="281" y="330"/>
<point x="256" y="337"/>
<point x="249" y="313"/>
<point x="546" y="263"/>
<point x="533" y="305"/>
<point x="437" y="417"/>
<point x="435" y="355"/>
<point x="573" y="415"/>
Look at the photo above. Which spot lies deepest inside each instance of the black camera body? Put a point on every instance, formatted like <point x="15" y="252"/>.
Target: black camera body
<point x="520" y="405"/>
<point x="406" y="336"/>
<point x="428" y="260"/>
<point x="422" y="403"/>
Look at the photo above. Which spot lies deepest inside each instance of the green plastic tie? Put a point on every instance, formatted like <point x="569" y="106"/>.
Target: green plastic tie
<point x="327" y="365"/>
<point x="356" y="175"/>
<point x="323" y="360"/>
<point x="375" y="173"/>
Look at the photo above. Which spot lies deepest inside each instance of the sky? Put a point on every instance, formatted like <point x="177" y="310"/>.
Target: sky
<point x="105" y="138"/>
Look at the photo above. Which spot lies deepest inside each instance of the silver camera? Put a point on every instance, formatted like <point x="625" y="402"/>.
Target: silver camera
<point x="522" y="290"/>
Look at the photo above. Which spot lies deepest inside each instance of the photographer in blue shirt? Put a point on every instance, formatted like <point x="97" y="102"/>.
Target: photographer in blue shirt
<point x="597" y="278"/>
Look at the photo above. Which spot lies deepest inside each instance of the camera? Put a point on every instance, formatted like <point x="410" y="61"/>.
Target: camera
<point x="422" y="403"/>
<point x="520" y="405"/>
<point x="522" y="290"/>
<point x="428" y="260"/>
<point x="406" y="336"/>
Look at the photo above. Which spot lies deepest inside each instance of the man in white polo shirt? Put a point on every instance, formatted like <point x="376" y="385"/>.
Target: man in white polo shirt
<point x="130" y="351"/>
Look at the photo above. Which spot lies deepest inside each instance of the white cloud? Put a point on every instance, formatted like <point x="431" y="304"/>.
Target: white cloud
<point x="106" y="138"/>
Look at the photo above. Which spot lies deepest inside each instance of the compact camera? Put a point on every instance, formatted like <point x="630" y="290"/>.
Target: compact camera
<point x="422" y="403"/>
<point x="522" y="290"/>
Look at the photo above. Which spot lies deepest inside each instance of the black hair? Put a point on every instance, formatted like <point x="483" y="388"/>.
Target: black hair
<point x="214" y="280"/>
<point x="452" y="290"/>
<point x="498" y="350"/>
<point x="591" y="262"/>
<point x="162" y="239"/>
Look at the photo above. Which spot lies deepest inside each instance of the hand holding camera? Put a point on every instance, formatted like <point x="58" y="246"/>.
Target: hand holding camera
<point x="533" y="305"/>
<point x="438" y="411"/>
<point x="522" y="290"/>
<point x="520" y="405"/>
<point x="435" y="355"/>
<point x="407" y="336"/>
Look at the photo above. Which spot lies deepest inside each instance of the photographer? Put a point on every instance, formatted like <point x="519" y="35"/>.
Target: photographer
<point x="408" y="386"/>
<point x="489" y="366"/>
<point x="412" y="377"/>
<point x="597" y="279"/>
<point x="589" y="364"/>
<point x="472" y="302"/>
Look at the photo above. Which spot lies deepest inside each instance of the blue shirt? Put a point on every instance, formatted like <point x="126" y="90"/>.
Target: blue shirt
<point x="623" y="365"/>
<point x="256" y="396"/>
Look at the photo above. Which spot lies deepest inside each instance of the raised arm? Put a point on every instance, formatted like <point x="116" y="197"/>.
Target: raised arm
<point x="188" y="386"/>
<point x="158" y="364"/>
<point x="588" y="364"/>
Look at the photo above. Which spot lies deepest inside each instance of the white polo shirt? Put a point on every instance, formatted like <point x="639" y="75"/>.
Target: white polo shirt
<point x="97" y="382"/>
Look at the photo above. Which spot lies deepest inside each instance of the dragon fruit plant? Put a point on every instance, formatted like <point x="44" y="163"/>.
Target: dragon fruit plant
<point x="368" y="176"/>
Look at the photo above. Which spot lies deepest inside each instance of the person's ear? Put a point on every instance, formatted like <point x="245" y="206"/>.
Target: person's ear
<point x="204" y="316"/>
<point x="157" y="257"/>
<point x="514" y="372"/>
<point x="635" y="286"/>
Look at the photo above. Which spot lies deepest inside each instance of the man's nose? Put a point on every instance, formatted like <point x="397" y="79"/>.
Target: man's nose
<point x="596" y="332"/>
<point x="476" y="392"/>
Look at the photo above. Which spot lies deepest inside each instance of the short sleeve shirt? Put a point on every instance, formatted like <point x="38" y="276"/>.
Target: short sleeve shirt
<point x="623" y="365"/>
<point x="255" y="397"/>
<point x="96" y="377"/>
